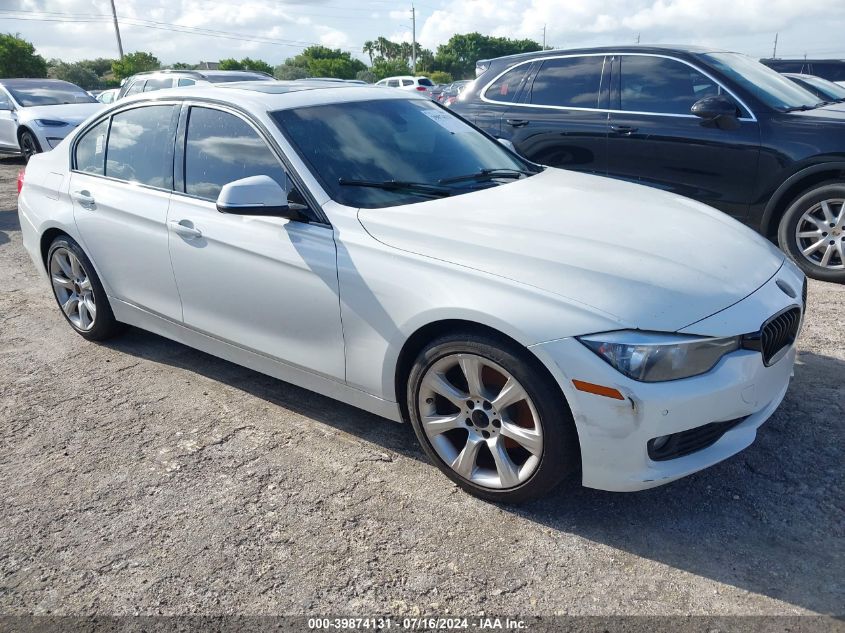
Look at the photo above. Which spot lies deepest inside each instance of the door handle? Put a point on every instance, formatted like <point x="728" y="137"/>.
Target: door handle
<point x="84" y="198"/>
<point x="624" y="130"/>
<point x="516" y="122"/>
<point x="184" y="228"/>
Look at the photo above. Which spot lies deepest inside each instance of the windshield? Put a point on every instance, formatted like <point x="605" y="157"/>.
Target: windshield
<point x="768" y="85"/>
<point x="48" y="93"/>
<point x="827" y="88"/>
<point x="384" y="153"/>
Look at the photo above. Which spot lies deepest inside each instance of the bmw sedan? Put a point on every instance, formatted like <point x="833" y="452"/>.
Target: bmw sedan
<point x="529" y="322"/>
<point x="36" y="114"/>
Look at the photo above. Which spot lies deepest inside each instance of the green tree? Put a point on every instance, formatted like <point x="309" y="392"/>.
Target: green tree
<point x="101" y="66"/>
<point x="230" y="64"/>
<point x="182" y="66"/>
<point x="257" y="65"/>
<point x="388" y="68"/>
<point x="459" y="54"/>
<point x="134" y="63"/>
<point x="289" y="71"/>
<point x="366" y="75"/>
<point x="76" y="73"/>
<point x="439" y="77"/>
<point x="321" y="61"/>
<point x="19" y="59"/>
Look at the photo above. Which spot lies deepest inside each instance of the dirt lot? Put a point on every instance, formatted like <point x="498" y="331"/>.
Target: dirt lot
<point x="144" y="477"/>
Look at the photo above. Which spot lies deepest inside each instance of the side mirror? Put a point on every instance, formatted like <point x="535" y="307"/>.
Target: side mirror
<point x="258" y="195"/>
<point x="714" y="108"/>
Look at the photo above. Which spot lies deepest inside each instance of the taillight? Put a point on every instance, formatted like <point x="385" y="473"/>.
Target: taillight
<point x="421" y="88"/>
<point x="20" y="181"/>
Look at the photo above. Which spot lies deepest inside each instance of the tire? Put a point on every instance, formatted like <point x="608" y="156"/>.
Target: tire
<point x="73" y="276"/>
<point x="462" y="441"/>
<point x="29" y="145"/>
<point x="818" y="215"/>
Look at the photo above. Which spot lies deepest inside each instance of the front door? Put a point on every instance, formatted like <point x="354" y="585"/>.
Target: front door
<point x="655" y="140"/>
<point x="120" y="205"/>
<point x="560" y="120"/>
<point x="266" y="284"/>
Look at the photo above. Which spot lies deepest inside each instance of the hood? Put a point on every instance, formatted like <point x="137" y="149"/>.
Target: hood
<point x="654" y="260"/>
<point x="73" y="113"/>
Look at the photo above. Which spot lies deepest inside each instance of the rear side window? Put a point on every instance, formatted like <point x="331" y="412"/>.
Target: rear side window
<point x="158" y="84"/>
<point x="140" y="145"/>
<point x="393" y="83"/>
<point x="830" y="71"/>
<point x="91" y="150"/>
<point x="221" y="148"/>
<point x="135" y="88"/>
<point x="506" y="87"/>
<point x="184" y="81"/>
<point x="572" y="82"/>
<point x="661" y="85"/>
<point x="407" y="82"/>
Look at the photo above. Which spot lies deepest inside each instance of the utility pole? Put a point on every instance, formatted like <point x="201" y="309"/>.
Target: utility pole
<point x="116" y="29"/>
<point x="775" y="51"/>
<point x="544" y="37"/>
<point x="638" y="38"/>
<point x="413" y="39"/>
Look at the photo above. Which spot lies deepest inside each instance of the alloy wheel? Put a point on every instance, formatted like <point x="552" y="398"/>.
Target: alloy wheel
<point x="820" y="234"/>
<point x="480" y="421"/>
<point x="73" y="289"/>
<point x="28" y="146"/>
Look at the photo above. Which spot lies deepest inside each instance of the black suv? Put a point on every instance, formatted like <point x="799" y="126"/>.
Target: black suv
<point x="715" y="126"/>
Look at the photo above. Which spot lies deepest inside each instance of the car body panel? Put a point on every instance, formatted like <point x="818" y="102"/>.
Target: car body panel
<point x="594" y="248"/>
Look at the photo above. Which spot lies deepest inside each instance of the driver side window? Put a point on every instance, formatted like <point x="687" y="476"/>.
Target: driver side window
<point x="221" y="148"/>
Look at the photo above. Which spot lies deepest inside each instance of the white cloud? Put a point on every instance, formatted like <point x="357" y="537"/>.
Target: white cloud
<point x="747" y="25"/>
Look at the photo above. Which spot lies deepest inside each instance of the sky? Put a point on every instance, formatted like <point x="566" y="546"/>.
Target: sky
<point x="273" y="30"/>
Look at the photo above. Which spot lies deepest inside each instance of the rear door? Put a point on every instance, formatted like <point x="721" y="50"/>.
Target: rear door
<point x="121" y="185"/>
<point x="655" y="140"/>
<point x="560" y="117"/>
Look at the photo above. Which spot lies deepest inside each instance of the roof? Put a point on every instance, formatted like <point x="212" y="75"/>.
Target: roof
<point x="277" y="94"/>
<point x="203" y="74"/>
<point x="633" y="48"/>
<point x="20" y="83"/>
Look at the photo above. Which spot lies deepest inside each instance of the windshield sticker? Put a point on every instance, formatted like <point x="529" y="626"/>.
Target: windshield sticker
<point x="446" y="120"/>
<point x="101" y="141"/>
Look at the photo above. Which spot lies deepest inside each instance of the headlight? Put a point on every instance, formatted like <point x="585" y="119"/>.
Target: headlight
<point x="656" y="357"/>
<point x="50" y="123"/>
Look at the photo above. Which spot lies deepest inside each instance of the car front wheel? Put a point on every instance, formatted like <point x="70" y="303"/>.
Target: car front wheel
<point x="812" y="232"/>
<point x="78" y="291"/>
<point x="29" y="145"/>
<point x="491" y="419"/>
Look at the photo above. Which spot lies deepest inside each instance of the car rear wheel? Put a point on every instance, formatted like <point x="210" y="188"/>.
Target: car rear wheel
<point x="812" y="232"/>
<point x="29" y="145"/>
<point x="490" y="419"/>
<point x="78" y="291"/>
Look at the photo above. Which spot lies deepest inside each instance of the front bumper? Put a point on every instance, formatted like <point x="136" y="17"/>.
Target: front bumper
<point x="614" y="434"/>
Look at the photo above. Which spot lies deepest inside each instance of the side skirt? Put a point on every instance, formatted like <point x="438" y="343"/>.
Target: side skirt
<point x="132" y="315"/>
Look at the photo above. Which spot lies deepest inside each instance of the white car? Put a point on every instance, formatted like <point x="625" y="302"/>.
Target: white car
<point x="422" y="85"/>
<point x="36" y="114"/>
<point x="169" y="78"/>
<point x="529" y="322"/>
<point x="108" y="96"/>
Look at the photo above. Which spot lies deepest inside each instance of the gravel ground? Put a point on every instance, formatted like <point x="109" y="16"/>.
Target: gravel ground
<point x="145" y="477"/>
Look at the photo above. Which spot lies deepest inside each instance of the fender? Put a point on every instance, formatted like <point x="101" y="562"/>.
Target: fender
<point x="777" y="197"/>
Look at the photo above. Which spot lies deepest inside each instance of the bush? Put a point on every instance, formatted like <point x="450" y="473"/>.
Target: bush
<point x="440" y="77"/>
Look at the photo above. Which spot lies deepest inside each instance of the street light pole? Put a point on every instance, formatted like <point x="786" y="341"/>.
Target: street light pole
<point x="414" y="39"/>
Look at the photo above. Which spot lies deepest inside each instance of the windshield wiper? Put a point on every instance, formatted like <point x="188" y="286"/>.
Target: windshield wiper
<point x="399" y="185"/>
<point x="804" y="108"/>
<point x="487" y="174"/>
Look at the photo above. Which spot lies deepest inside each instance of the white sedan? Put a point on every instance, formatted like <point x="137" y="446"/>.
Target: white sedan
<point x="529" y="322"/>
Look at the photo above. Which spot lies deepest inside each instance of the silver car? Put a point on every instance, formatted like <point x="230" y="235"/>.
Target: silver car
<point x="36" y="114"/>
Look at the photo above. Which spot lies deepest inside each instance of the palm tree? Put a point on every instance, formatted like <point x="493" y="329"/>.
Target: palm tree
<point x="369" y="49"/>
